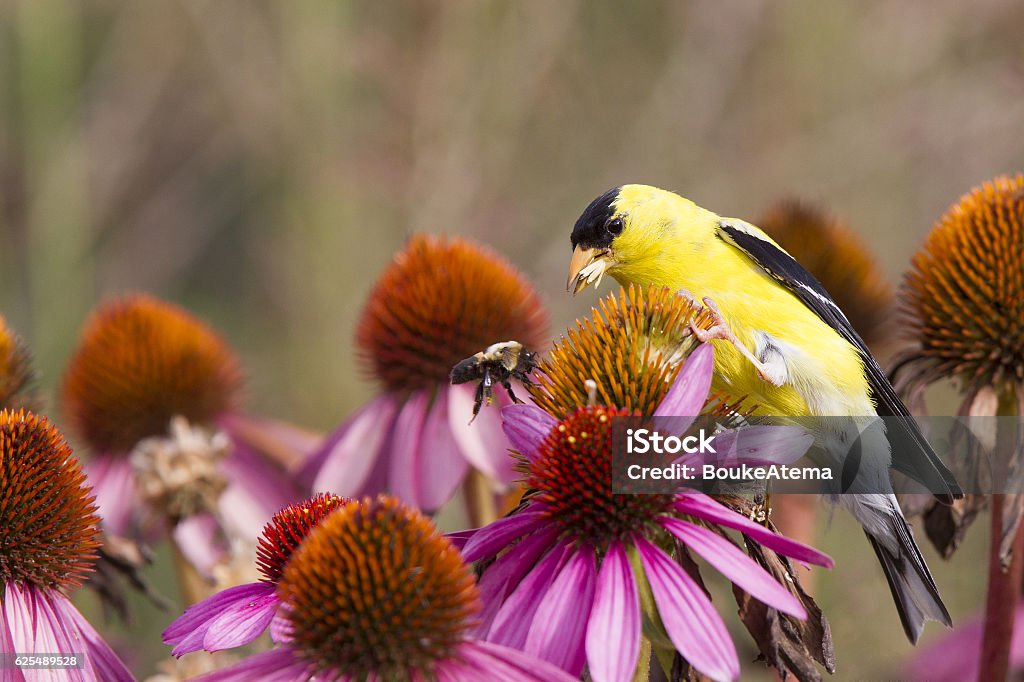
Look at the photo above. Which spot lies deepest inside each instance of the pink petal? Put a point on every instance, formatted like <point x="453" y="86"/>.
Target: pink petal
<point x="513" y="621"/>
<point x="348" y="455"/>
<point x="494" y="537"/>
<point x="761" y="445"/>
<point x="257" y="489"/>
<point x="201" y="541"/>
<point x="502" y="664"/>
<point x="504" y="575"/>
<point x="693" y="625"/>
<point x="287" y="444"/>
<point x="704" y="507"/>
<point x="280" y="628"/>
<point x="44" y="621"/>
<point x="483" y="442"/>
<point x="613" y="636"/>
<point x="113" y="483"/>
<point x="688" y="394"/>
<point x="459" y="538"/>
<point x="276" y="665"/>
<point x="526" y="427"/>
<point x="445" y="465"/>
<point x="405" y="458"/>
<point x="102" y="664"/>
<point x="256" y="603"/>
<point x="560" y="625"/>
<point x="735" y="565"/>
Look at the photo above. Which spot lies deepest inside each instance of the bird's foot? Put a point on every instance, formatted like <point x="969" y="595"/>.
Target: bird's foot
<point x="722" y="331"/>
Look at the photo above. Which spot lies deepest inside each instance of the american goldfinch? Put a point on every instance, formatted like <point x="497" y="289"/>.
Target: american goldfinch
<point x="781" y="340"/>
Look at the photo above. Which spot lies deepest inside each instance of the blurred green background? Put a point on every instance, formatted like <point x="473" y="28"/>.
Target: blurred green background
<point x="259" y="162"/>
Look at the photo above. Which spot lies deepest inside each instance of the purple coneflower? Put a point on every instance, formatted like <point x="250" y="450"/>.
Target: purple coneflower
<point x="569" y="587"/>
<point x="440" y="301"/>
<point x="236" y="616"/>
<point x="48" y="539"/>
<point x="375" y="593"/>
<point x="142" y="365"/>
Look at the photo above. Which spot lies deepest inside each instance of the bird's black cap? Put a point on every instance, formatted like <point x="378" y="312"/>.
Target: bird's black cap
<point x="591" y="229"/>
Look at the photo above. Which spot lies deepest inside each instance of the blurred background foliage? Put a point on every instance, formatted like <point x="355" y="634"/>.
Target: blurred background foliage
<point x="259" y="162"/>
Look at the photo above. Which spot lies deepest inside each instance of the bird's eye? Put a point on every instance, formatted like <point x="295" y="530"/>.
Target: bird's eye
<point x="614" y="227"/>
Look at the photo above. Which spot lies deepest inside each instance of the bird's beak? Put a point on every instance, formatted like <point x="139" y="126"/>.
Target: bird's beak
<point x="587" y="266"/>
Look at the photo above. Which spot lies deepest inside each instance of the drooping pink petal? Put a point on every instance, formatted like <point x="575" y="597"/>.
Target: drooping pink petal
<point x="252" y="605"/>
<point x="502" y="577"/>
<point x="113" y="483"/>
<point x="277" y="665"/>
<point x="406" y="454"/>
<point x="503" y="664"/>
<point x="483" y="443"/>
<point x="704" y="507"/>
<point x="102" y="664"/>
<point x="613" y="635"/>
<point x="444" y="466"/>
<point x="735" y="565"/>
<point x="560" y="625"/>
<point x="201" y="541"/>
<point x="45" y="621"/>
<point x="693" y="625"/>
<point x="514" y="619"/>
<point x="690" y="390"/>
<point x="287" y="444"/>
<point x="760" y="445"/>
<point x="526" y="426"/>
<point x="347" y="456"/>
<point x="494" y="537"/>
<point x="257" y="489"/>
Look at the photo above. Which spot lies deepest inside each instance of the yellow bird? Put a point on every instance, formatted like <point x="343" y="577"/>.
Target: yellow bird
<point x="781" y="340"/>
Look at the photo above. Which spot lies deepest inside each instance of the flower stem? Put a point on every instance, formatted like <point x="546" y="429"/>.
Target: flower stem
<point x="1004" y="582"/>
<point x="192" y="586"/>
<point x="481" y="507"/>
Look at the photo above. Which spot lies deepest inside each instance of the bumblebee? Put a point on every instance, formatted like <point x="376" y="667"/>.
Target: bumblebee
<point x="499" y="363"/>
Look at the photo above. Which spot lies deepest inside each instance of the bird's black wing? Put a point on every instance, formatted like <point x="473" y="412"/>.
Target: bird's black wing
<point x="911" y="453"/>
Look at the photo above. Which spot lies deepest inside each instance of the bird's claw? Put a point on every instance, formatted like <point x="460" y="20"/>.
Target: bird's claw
<point x="720" y="330"/>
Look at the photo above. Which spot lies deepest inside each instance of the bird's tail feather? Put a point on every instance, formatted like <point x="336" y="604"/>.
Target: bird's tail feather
<point x="913" y="589"/>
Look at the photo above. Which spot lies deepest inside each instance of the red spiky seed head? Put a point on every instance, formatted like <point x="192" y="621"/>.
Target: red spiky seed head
<point x="572" y="474"/>
<point x="288" y="528"/>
